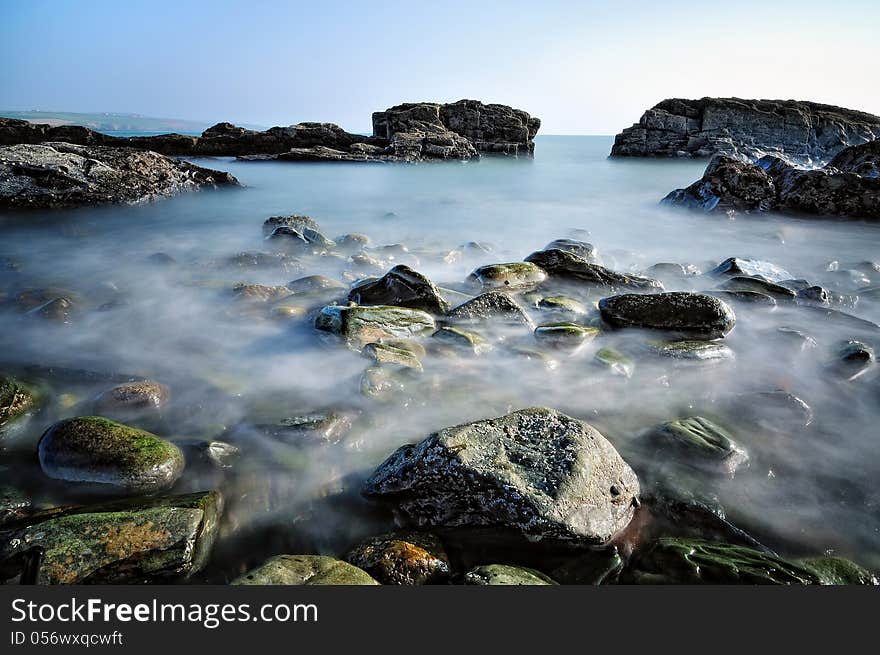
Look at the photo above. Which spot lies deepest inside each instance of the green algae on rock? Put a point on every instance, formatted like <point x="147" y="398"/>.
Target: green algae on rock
<point x="704" y="442"/>
<point x="160" y="539"/>
<point x="615" y="361"/>
<point x="839" y="571"/>
<point x="93" y="449"/>
<point x="504" y="574"/>
<point x="305" y="570"/>
<point x="360" y="325"/>
<point x="565" y="335"/>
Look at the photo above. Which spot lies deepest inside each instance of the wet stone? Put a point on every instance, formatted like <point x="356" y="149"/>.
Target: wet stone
<point x="361" y="325"/>
<point x="296" y="221"/>
<point x="400" y="287"/>
<point x="702" y="442"/>
<point x="565" y="335"/>
<point x="854" y="359"/>
<point x="839" y="571"/>
<point x="403" y="558"/>
<point x="567" y="266"/>
<point x="259" y="292"/>
<point x="491" y="307"/>
<point x="582" y="249"/>
<point x="383" y="384"/>
<point x="388" y="355"/>
<point x="745" y="297"/>
<point x="315" y="284"/>
<point x="505" y="574"/>
<point x="751" y="267"/>
<point x="17" y="399"/>
<point x="462" y="340"/>
<point x="92" y="449"/>
<point x="693" y="315"/>
<point x="693" y="350"/>
<point x="14" y="503"/>
<point x="305" y="570"/>
<point x="132" y="399"/>
<point x="216" y="454"/>
<point x="309" y="429"/>
<point x="615" y="362"/>
<point x="514" y="275"/>
<point x="757" y="285"/>
<point x="564" y="307"/>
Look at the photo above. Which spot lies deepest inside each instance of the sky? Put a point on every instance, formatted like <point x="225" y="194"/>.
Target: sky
<point x="583" y="67"/>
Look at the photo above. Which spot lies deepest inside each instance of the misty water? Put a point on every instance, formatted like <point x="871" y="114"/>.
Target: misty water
<point x="810" y="485"/>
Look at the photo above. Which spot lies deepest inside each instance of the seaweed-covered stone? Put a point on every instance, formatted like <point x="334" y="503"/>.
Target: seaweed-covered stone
<point x="387" y="355"/>
<point x="563" y="306"/>
<point x="405" y="558"/>
<point x="505" y="574"/>
<point x="582" y="249"/>
<point x="746" y="283"/>
<point x="702" y="442"/>
<point x="565" y="335"/>
<point x="155" y="540"/>
<point x="492" y="307"/>
<point x="568" y="266"/>
<point x="16" y="399"/>
<point x="132" y="399"/>
<point x="692" y="350"/>
<point x="305" y="570"/>
<point x="751" y="267"/>
<point x="97" y="450"/>
<point x="512" y="275"/>
<point x="462" y="340"/>
<point x="360" y="325"/>
<point x="694" y="561"/>
<point x="692" y="315"/>
<point x="535" y="471"/>
<point x="401" y="287"/>
<point x="615" y="361"/>
<point x="839" y="571"/>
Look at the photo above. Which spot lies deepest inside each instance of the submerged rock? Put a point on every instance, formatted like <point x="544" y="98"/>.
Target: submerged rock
<point x="16" y="399"/>
<point x="700" y="351"/>
<point x="512" y="275"/>
<point x="615" y="361"/>
<point x="565" y="335"/>
<point x="693" y="561"/>
<point x="66" y="175"/>
<point x="563" y="307"/>
<point x="388" y="355"/>
<point x="505" y="574"/>
<point x="314" y="284"/>
<point x="535" y="471"/>
<point x="97" y="450"/>
<point x="490" y="307"/>
<point x="401" y="287"/>
<point x="405" y="558"/>
<point x="155" y="540"/>
<point x="305" y="570"/>
<point x="462" y="340"/>
<point x="703" y="442"/>
<point x="738" y="283"/>
<point x="132" y="399"/>
<point x="361" y="325"/>
<point x="568" y="266"/>
<point x="693" y="315"/>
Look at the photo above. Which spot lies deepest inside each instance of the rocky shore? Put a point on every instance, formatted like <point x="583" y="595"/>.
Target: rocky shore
<point x="803" y="133"/>
<point x="407" y="132"/>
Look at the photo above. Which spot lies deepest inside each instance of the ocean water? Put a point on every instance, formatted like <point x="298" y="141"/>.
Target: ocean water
<point x="807" y="489"/>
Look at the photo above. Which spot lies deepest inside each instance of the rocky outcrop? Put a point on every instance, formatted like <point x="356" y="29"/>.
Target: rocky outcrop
<point x="408" y="132"/>
<point x="771" y="184"/>
<point x="64" y="175"/>
<point x="805" y="133"/>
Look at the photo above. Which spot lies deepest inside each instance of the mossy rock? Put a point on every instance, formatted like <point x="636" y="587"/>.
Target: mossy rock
<point x="361" y="325"/>
<point x="839" y="571"/>
<point x="404" y="558"/>
<point x="565" y="335"/>
<point x="703" y="441"/>
<point x="93" y="449"/>
<point x="462" y="340"/>
<point x="563" y="306"/>
<point x="157" y="540"/>
<point x="17" y="398"/>
<point x="305" y="570"/>
<point x="694" y="561"/>
<point x="615" y="361"/>
<point x="504" y="574"/>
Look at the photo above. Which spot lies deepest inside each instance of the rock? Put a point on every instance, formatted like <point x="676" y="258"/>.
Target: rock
<point x="770" y="410"/>
<point x="402" y="287"/>
<point x="615" y="361"/>
<point x="693" y="350"/>
<point x="667" y="271"/>
<point x="814" y="293"/>
<point x="462" y="340"/>
<point x="66" y="175"/>
<point x="862" y="159"/>
<point x="305" y="570"/>
<point x="260" y="292"/>
<point x="504" y="574"/>
<point x="564" y="307"/>
<point x="534" y="471"/>
<point x="704" y="443"/>
<point x="304" y="238"/>
<point x="854" y="358"/>
<point x="361" y="325"/>
<point x="216" y="454"/>
<point x="385" y="354"/>
<point x="14" y="503"/>
<point x="565" y="335"/>
<point x="382" y="384"/>
<point x="310" y="428"/>
<point x="567" y="266"/>
<point x="262" y="261"/>
<point x="595" y="568"/>
<point x="491" y="307"/>
<point x="514" y="275"/>
<point x="736" y="266"/>
<point x="839" y="571"/>
<point x="694" y="561"/>
<point x="805" y="132"/>
<point x="298" y="222"/>
<point x="352" y="242"/>
<point x="17" y="399"/>
<point x="149" y="540"/>
<point x="692" y="315"/>
<point x="745" y="296"/>
<point x="97" y="450"/>
<point x="407" y="558"/>
<point x="757" y="285"/>
<point x="728" y="184"/>
<point x="581" y="249"/>
<point x="58" y="310"/>
<point x="314" y="284"/>
<point x="132" y="399"/>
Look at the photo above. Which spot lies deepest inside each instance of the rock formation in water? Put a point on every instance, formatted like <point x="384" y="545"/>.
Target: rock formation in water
<point x="849" y="186"/>
<point x="804" y="133"/>
<point x="65" y="175"/>
<point x="408" y="132"/>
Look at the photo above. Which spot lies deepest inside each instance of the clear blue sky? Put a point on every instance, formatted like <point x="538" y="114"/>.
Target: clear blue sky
<point x="583" y="67"/>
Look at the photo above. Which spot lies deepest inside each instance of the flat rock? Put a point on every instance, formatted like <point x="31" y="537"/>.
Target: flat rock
<point x="535" y="471"/>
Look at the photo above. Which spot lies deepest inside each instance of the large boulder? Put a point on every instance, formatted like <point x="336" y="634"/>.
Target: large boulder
<point x="569" y="266"/>
<point x="401" y="287"/>
<point x="804" y="132"/>
<point x="692" y="315"/>
<point x="155" y="540"/>
<point x="66" y="175"/>
<point x="535" y="471"/>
